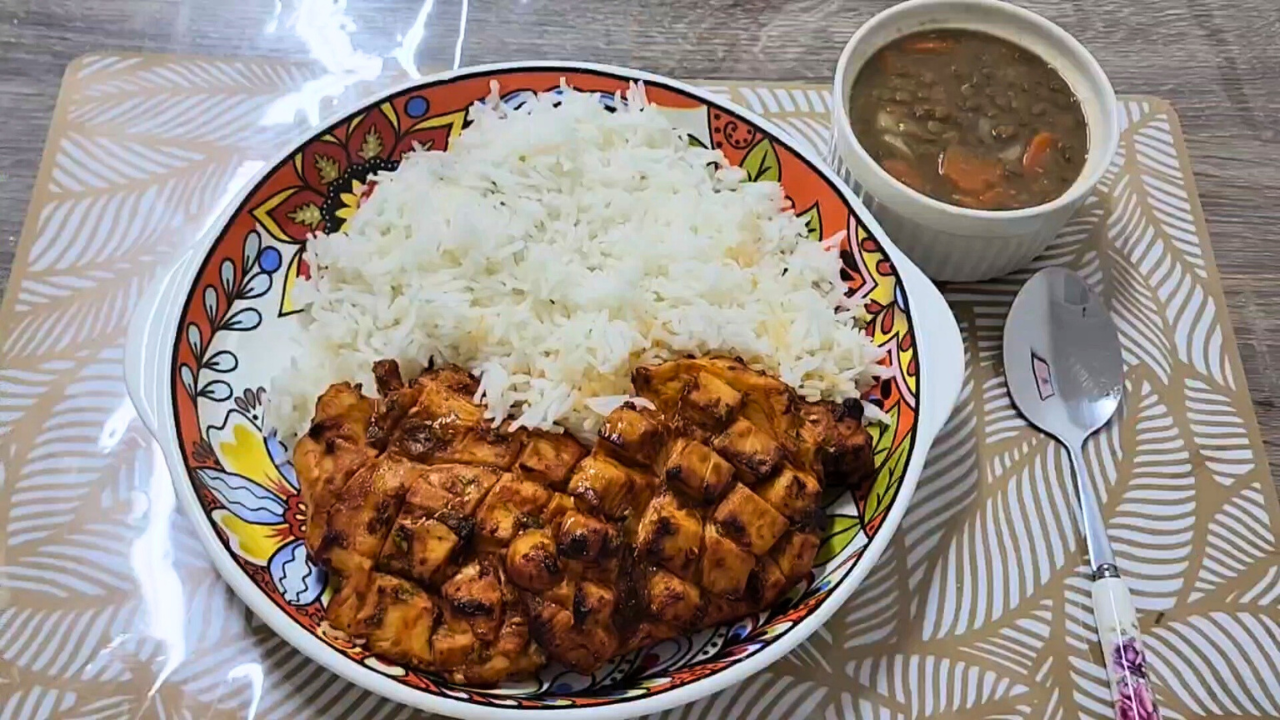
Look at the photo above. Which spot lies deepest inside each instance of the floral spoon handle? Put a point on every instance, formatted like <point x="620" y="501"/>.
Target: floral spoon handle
<point x="1122" y="646"/>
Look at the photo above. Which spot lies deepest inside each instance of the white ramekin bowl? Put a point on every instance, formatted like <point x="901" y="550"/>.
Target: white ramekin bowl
<point x="949" y="242"/>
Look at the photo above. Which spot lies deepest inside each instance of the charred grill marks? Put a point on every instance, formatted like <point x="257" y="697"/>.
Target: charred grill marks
<point x="475" y="552"/>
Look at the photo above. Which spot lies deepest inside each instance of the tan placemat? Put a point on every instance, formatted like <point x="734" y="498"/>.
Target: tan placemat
<point x="110" y="608"/>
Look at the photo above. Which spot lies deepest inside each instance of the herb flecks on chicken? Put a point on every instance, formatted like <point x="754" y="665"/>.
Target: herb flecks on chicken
<point x="479" y="553"/>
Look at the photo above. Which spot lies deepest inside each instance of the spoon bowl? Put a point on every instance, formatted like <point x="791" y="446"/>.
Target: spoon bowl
<point x="1062" y="356"/>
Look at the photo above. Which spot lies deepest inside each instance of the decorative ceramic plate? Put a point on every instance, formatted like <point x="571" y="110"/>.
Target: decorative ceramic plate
<point x="201" y="354"/>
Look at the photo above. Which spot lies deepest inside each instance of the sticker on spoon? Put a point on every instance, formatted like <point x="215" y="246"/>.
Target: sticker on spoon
<point x="1044" y="378"/>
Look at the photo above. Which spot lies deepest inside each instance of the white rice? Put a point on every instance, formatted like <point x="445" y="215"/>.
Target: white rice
<point x="555" y="248"/>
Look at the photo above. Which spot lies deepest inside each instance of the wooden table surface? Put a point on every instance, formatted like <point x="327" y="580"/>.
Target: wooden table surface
<point x="1217" y="60"/>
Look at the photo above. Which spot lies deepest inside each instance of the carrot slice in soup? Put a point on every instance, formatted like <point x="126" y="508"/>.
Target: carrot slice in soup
<point x="972" y="174"/>
<point x="927" y="45"/>
<point x="997" y="198"/>
<point x="902" y="171"/>
<point x="1036" y="157"/>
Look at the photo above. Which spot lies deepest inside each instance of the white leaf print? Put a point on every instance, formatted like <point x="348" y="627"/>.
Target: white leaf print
<point x="1238" y="536"/>
<point x="89" y="164"/>
<point x="64" y="460"/>
<point x="21" y="391"/>
<point x="74" y="291"/>
<point x="985" y="574"/>
<point x="36" y="702"/>
<point x="1151" y="508"/>
<point x="1165" y="190"/>
<point x="985" y="308"/>
<point x="185" y="117"/>
<point x="766" y="695"/>
<point x="65" y="643"/>
<point x="1074" y="246"/>
<point x="1175" y="275"/>
<point x="1220" y="434"/>
<point x="1220" y="663"/>
<point x="314" y="691"/>
<point x="947" y="487"/>
<point x="1144" y="334"/>
<point x="201" y="74"/>
<point x="76" y="230"/>
<point x="881" y="607"/>
<point x="1002" y="422"/>
<point x="72" y="563"/>
<point x="1017" y="642"/>
<point x="807" y="132"/>
<point x="1131" y="112"/>
<point x="100" y="708"/>
<point x="179" y="101"/>
<point x="1264" y="593"/>
<point x="66" y="322"/>
<point x="99" y="65"/>
<point x="928" y="685"/>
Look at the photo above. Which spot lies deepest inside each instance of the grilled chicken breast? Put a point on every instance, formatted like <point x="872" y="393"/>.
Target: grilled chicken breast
<point x="480" y="553"/>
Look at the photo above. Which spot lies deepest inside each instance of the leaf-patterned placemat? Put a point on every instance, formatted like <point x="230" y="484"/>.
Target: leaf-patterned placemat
<point x="110" y="608"/>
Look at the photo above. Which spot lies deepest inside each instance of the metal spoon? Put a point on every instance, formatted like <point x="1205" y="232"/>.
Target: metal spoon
<point x="1064" y="371"/>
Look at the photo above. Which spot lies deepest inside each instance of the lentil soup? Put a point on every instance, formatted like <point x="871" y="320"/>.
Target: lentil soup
<point x="970" y="119"/>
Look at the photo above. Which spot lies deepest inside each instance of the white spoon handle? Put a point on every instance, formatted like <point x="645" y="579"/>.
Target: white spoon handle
<point x="1122" y="647"/>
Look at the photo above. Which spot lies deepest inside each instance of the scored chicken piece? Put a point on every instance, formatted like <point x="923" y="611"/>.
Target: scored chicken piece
<point x="511" y="655"/>
<point x="397" y="617"/>
<point x="748" y="520"/>
<point x="485" y="636"/>
<point x="394" y="403"/>
<point x="673" y="600"/>
<point x="476" y="594"/>
<point x="793" y="493"/>
<point x="556" y="510"/>
<point x="435" y="519"/>
<point x="725" y="566"/>
<point x="364" y="511"/>
<point x="587" y="538"/>
<point x="605" y="486"/>
<point x="549" y="458"/>
<point x="351" y="585"/>
<point x="767" y="402"/>
<point x="532" y="561"/>
<point x="454" y="488"/>
<point x="441" y="424"/>
<point x="331" y="451"/>
<point x="724" y="608"/>
<point x="418" y="548"/>
<point x="447" y="440"/>
<point x="710" y="402"/>
<point x="834" y="444"/>
<point x="512" y="506"/>
<point x="489" y="446"/>
<point x="794" y="553"/>
<point x="634" y="434"/>
<point x="452" y="642"/>
<point x="670" y="534"/>
<point x="766" y="583"/>
<point x="574" y="623"/>
<point x="698" y="470"/>
<point x="749" y="448"/>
